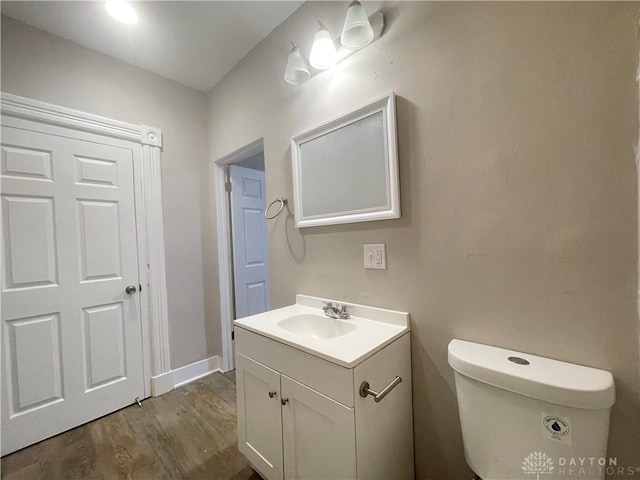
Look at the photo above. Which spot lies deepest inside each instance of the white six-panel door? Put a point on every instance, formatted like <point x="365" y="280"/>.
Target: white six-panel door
<point x="71" y="335"/>
<point x="250" y="249"/>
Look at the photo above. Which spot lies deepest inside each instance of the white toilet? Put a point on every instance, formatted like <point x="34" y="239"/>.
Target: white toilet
<point x="525" y="416"/>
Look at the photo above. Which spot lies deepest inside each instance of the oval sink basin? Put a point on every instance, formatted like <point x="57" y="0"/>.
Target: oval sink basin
<point x="316" y="326"/>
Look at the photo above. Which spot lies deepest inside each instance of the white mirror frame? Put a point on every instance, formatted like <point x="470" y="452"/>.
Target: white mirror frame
<point x="386" y="105"/>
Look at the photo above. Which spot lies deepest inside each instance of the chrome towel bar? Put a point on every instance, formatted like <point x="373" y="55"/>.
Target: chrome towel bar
<point x="365" y="390"/>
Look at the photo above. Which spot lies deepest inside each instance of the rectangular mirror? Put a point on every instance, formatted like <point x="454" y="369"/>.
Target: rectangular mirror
<point x="346" y="170"/>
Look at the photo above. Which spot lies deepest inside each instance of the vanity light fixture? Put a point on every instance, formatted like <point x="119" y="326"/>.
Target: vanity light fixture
<point x="297" y="71"/>
<point x="323" y="52"/>
<point x="358" y="32"/>
<point x="122" y="11"/>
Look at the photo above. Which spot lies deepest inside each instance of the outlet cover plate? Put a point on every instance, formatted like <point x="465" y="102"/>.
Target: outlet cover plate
<point x="375" y="256"/>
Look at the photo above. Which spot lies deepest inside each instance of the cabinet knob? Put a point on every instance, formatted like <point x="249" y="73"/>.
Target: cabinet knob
<point x="272" y="393"/>
<point x="284" y="401"/>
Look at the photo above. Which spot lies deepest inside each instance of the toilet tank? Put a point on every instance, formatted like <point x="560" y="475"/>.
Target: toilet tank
<point x="530" y="417"/>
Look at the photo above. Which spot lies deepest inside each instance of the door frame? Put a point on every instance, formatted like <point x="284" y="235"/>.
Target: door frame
<point x="157" y="375"/>
<point x="222" y="205"/>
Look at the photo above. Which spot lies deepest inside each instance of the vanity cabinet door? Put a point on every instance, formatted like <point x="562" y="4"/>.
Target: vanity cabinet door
<point x="259" y="416"/>
<point x="319" y="434"/>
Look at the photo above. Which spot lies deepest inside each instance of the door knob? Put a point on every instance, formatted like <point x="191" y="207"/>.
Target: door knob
<point x="284" y="401"/>
<point x="131" y="289"/>
<point x="272" y="393"/>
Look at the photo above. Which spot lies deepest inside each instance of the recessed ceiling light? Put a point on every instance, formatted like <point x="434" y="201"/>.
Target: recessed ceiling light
<point x="122" y="11"/>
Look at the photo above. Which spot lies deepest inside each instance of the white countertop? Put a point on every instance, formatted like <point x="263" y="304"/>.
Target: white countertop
<point x="375" y="328"/>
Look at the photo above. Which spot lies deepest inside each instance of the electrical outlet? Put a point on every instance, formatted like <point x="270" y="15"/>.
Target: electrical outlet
<point x="375" y="256"/>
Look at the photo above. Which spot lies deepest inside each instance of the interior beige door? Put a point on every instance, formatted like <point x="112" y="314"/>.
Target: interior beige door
<point x="72" y="345"/>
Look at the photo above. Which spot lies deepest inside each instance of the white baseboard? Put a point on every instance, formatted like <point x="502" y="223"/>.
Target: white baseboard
<point x="194" y="371"/>
<point x="181" y="376"/>
<point x="162" y="384"/>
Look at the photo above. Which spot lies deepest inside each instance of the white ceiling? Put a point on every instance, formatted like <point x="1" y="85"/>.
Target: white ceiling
<point x="193" y="43"/>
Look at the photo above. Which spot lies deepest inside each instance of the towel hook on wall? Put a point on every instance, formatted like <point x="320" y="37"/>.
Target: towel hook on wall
<point x="283" y="201"/>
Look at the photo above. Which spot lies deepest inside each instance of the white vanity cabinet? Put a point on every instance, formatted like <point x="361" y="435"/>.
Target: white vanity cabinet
<point x="302" y="417"/>
<point x="260" y="425"/>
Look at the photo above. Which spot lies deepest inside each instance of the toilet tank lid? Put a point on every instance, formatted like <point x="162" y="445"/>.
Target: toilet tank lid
<point x="537" y="377"/>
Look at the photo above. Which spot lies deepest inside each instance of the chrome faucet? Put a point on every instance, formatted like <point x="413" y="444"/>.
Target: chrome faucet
<point x="335" y="311"/>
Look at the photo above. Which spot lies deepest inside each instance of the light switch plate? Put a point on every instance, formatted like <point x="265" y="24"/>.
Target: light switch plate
<point x="375" y="256"/>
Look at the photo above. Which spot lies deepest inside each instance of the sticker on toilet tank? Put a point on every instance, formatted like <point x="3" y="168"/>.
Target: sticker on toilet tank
<point x="556" y="428"/>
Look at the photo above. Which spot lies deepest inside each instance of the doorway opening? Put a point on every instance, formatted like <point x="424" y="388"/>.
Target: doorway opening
<point x="243" y="257"/>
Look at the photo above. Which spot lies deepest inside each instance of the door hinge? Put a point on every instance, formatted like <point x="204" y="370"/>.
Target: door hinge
<point x="227" y="187"/>
<point x="233" y="335"/>
<point x="140" y="285"/>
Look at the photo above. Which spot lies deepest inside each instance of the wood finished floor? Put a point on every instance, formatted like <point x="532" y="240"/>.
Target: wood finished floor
<point x="189" y="433"/>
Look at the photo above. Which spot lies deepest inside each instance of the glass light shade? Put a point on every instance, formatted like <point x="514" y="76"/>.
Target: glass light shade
<point x="357" y="31"/>
<point x="323" y="53"/>
<point x="122" y="11"/>
<point x="297" y="71"/>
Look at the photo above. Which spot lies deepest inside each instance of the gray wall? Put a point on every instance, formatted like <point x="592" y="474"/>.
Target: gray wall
<point x="517" y="124"/>
<point x="38" y="65"/>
